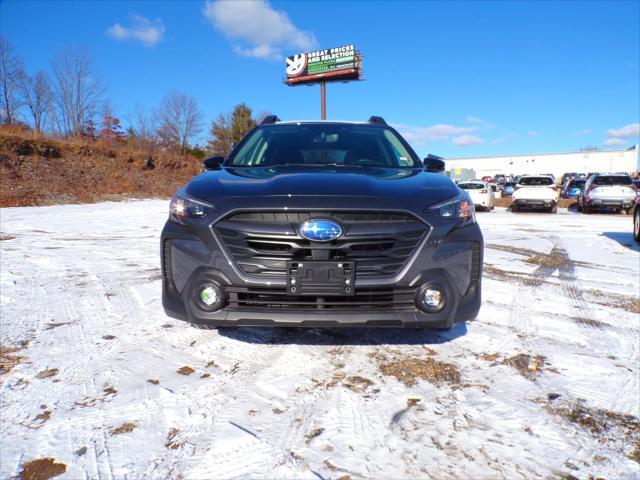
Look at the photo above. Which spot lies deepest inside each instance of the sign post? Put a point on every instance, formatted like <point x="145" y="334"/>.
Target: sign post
<point x="323" y="100"/>
<point x="341" y="64"/>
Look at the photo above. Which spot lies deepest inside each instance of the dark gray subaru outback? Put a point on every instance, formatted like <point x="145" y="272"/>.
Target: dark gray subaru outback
<point x="322" y="224"/>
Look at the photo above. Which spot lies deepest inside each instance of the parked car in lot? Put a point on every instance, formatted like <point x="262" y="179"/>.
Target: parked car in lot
<point x="636" y="219"/>
<point x="499" y="179"/>
<point x="507" y="189"/>
<point x="535" y="191"/>
<point x="322" y="224"/>
<point x="568" y="176"/>
<point x="607" y="191"/>
<point x="481" y="194"/>
<point x="572" y="188"/>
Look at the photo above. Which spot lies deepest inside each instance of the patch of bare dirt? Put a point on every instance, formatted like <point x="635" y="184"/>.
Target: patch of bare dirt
<point x="628" y="303"/>
<point x="51" y="326"/>
<point x="6" y="236"/>
<point x="42" y="469"/>
<point x="51" y="372"/>
<point x="409" y="370"/>
<point x="635" y="453"/>
<point x="124" y="428"/>
<point x="186" y="370"/>
<point x="550" y="260"/>
<point x="8" y="360"/>
<point x="172" y="443"/>
<point x="356" y="383"/>
<point x="316" y="432"/>
<point x="526" y="365"/>
<point x="604" y="425"/>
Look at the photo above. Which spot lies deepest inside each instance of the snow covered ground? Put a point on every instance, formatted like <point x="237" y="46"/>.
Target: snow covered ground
<point x="544" y="384"/>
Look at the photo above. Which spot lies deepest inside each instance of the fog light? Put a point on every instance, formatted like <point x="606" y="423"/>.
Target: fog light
<point x="432" y="297"/>
<point x="210" y="297"/>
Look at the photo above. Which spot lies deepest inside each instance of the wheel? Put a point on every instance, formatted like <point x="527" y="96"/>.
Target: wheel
<point x="636" y="224"/>
<point x="554" y="209"/>
<point x="202" y="326"/>
<point x="514" y="208"/>
<point x="586" y="209"/>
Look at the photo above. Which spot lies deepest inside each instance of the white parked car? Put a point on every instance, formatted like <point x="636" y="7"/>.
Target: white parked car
<point x="481" y="194"/>
<point x="607" y="190"/>
<point x="535" y="191"/>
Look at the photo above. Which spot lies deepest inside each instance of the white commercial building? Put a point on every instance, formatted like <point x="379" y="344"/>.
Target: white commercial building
<point x="627" y="160"/>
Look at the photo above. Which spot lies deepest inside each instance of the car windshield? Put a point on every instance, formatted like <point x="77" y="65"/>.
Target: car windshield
<point x="471" y="186"/>
<point x="577" y="183"/>
<point x="326" y="144"/>
<point x="613" y="180"/>
<point x="536" y="181"/>
<point x="509" y="184"/>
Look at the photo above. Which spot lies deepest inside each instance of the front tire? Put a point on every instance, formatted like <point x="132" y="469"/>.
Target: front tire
<point x="514" y="208"/>
<point x="554" y="209"/>
<point x="586" y="209"/>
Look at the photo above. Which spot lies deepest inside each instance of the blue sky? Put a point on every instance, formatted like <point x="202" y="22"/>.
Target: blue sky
<point x="458" y="79"/>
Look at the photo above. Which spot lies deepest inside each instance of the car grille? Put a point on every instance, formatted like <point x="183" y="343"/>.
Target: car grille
<point x="380" y="243"/>
<point x="364" y="299"/>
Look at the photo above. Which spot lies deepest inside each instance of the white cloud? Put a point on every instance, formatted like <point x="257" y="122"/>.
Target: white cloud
<point x="261" y="31"/>
<point x="440" y="131"/>
<point x="148" y="32"/>
<point x="631" y="130"/>
<point x="623" y="135"/>
<point x="614" y="142"/>
<point x="532" y="133"/>
<point x="480" y="122"/>
<point x="467" y="140"/>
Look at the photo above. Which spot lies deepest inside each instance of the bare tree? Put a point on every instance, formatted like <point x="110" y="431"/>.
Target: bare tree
<point x="78" y="89"/>
<point x="179" y="120"/>
<point x="144" y="126"/>
<point x="11" y="73"/>
<point x="38" y="98"/>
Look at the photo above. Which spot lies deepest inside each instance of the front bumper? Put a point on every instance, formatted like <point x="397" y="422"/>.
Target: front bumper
<point x="450" y="259"/>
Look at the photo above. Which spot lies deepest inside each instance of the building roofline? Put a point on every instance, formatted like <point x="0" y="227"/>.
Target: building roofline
<point x="633" y="147"/>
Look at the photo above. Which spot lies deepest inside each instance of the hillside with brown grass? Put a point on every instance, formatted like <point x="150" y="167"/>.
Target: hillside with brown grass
<point x="37" y="170"/>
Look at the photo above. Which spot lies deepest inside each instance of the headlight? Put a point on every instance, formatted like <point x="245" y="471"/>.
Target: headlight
<point x="459" y="207"/>
<point x="184" y="206"/>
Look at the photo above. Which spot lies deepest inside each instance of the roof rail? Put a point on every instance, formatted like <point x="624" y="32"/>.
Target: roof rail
<point x="269" y="119"/>
<point x="377" y="120"/>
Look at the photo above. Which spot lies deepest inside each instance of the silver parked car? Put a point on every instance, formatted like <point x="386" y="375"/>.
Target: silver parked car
<point x="607" y="190"/>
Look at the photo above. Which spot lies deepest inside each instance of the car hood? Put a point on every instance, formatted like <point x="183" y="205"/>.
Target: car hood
<point x="323" y="181"/>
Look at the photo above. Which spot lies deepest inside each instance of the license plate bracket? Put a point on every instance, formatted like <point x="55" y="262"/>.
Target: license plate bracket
<point x="319" y="278"/>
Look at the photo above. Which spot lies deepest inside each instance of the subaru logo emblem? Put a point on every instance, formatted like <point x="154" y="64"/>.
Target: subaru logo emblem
<point x="320" y="230"/>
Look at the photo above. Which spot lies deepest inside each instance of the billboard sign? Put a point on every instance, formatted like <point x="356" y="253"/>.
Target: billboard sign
<point x="340" y="63"/>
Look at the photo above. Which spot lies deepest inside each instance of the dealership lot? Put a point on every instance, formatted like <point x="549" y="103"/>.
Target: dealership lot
<point x="544" y="383"/>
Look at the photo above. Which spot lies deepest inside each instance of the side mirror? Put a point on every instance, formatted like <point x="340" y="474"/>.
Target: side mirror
<point x="434" y="164"/>
<point x="213" y="163"/>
